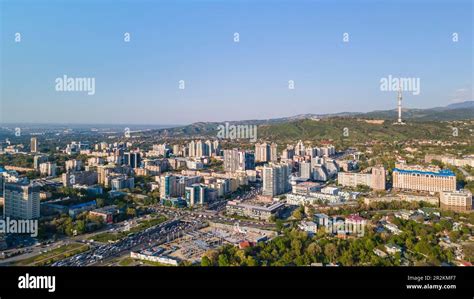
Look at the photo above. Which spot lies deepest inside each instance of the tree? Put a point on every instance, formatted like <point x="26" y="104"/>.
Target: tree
<point x="131" y="212"/>
<point x="330" y="251"/>
<point x="310" y="211"/>
<point x="81" y="226"/>
<point x="313" y="250"/>
<point x="297" y="214"/>
<point x="212" y="255"/>
<point x="251" y="261"/>
<point x="296" y="246"/>
<point x="206" y="262"/>
<point x="223" y="260"/>
<point x="100" y="202"/>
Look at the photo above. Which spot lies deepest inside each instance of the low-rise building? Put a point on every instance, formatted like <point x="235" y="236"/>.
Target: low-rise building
<point x="456" y="200"/>
<point x="106" y="213"/>
<point x="261" y="212"/>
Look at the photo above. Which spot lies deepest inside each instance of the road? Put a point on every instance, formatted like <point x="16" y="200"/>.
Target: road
<point x="152" y="236"/>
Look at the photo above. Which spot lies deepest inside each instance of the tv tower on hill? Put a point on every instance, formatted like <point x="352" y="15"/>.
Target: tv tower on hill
<point x="399" y="97"/>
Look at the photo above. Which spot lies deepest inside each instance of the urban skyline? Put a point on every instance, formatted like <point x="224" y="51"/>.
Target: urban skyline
<point x="147" y="144"/>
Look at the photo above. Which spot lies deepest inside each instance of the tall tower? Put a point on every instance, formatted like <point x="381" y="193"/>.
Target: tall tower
<point x="34" y="145"/>
<point x="400" y="105"/>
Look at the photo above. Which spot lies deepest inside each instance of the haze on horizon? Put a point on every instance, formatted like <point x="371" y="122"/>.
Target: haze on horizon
<point x="137" y="82"/>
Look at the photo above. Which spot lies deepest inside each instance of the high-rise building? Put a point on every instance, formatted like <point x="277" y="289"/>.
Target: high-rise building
<point x="288" y="153"/>
<point x="34" y="145"/>
<point x="328" y="151"/>
<point x="174" y="186"/>
<point x="168" y="186"/>
<point x="122" y="182"/>
<point x="80" y="178"/>
<point x="22" y="200"/>
<point x="374" y="180"/>
<point x="430" y="179"/>
<point x="235" y="160"/>
<point x="300" y="149"/>
<point x="200" y="149"/>
<point x="231" y="160"/>
<point x="305" y="170"/>
<point x="132" y="159"/>
<point x="192" y="148"/>
<point x="265" y="152"/>
<point x="276" y="179"/>
<point x="246" y="160"/>
<point x="209" y="148"/>
<point x="196" y="194"/>
<point x="378" y="179"/>
<point x="273" y="152"/>
<point x="262" y="152"/>
<point x="217" y="147"/>
<point x="48" y="169"/>
<point x="161" y="149"/>
<point x="73" y="165"/>
<point x="38" y="159"/>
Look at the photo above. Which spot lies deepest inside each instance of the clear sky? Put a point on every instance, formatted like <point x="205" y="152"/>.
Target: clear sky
<point x="137" y="82"/>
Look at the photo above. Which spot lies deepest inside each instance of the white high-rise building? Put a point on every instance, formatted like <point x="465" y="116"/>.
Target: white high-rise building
<point x="305" y="170"/>
<point x="192" y="149"/>
<point x="300" y="149"/>
<point x="276" y="179"/>
<point x="22" y="200"/>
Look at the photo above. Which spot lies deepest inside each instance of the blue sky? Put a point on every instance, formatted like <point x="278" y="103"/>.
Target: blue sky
<point x="137" y="82"/>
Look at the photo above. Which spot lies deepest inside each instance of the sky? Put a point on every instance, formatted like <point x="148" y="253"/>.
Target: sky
<point x="137" y="82"/>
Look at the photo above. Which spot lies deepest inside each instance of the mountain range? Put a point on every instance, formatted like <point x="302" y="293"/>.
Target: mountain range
<point x="455" y="111"/>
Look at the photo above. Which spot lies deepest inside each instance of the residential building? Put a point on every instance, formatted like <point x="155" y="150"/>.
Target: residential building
<point x="276" y="179"/>
<point x="460" y="200"/>
<point x="21" y="200"/>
